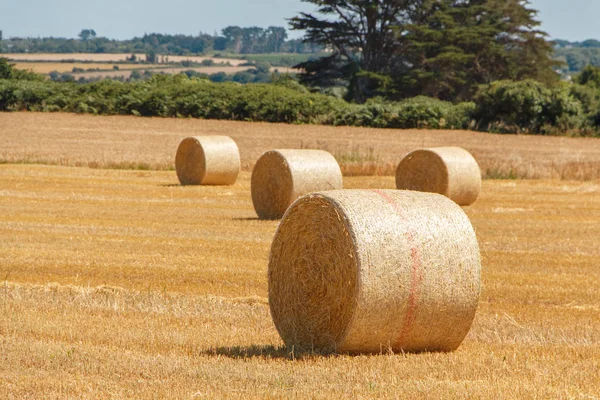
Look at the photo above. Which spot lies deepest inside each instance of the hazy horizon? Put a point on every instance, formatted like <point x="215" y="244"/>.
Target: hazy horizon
<point x="573" y="20"/>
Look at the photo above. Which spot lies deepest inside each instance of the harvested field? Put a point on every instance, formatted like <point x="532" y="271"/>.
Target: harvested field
<point x="165" y="70"/>
<point x="47" y="67"/>
<point x="150" y="143"/>
<point x="108" y="57"/>
<point x="123" y="284"/>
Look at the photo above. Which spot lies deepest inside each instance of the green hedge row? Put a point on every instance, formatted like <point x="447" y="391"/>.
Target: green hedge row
<point x="180" y="96"/>
<point x="503" y="106"/>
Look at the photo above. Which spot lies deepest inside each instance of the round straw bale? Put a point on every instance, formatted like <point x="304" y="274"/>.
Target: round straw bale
<point x="207" y="160"/>
<point x="281" y="176"/>
<point x="373" y="270"/>
<point x="451" y="171"/>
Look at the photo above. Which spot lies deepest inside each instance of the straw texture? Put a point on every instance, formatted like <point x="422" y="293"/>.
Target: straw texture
<point x="373" y="270"/>
<point x="281" y="176"/>
<point x="450" y="171"/>
<point x="207" y="160"/>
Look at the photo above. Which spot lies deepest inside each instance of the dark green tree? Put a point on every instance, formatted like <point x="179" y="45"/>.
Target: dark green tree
<point x="362" y="40"/>
<point x="233" y="34"/>
<point x="151" y="57"/>
<point x="591" y="43"/>
<point x="276" y="36"/>
<point x="589" y="76"/>
<point x="6" y="69"/>
<point x="576" y="61"/>
<point x="253" y="39"/>
<point x="85" y="34"/>
<point x="438" y="48"/>
<point x="454" y="46"/>
<point x="220" y="43"/>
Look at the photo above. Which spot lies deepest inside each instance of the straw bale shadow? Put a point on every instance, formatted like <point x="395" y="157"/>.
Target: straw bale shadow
<point x="249" y="219"/>
<point x="258" y="351"/>
<point x="254" y="351"/>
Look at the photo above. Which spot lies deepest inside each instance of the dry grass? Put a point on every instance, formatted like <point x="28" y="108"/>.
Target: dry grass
<point x="123" y="284"/>
<point x="108" y="57"/>
<point x="84" y="140"/>
<point x="47" y="67"/>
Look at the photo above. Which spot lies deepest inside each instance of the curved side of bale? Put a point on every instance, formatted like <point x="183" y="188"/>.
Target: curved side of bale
<point x="364" y="271"/>
<point x="207" y="160"/>
<point x="281" y="176"/>
<point x="450" y="171"/>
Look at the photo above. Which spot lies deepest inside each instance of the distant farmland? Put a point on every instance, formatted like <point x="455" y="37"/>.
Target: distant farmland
<point x="110" y="57"/>
<point x="62" y="67"/>
<point x="119" y="141"/>
<point x="121" y="283"/>
<point x="117" y="65"/>
<point x="125" y="73"/>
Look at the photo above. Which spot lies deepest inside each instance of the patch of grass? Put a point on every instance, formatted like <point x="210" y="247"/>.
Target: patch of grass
<point x="355" y="160"/>
<point x="496" y="173"/>
<point x="120" y="165"/>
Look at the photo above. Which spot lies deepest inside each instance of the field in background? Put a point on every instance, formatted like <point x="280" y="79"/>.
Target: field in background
<point x="44" y="63"/>
<point x="150" y="143"/>
<point x="123" y="284"/>
<point x="61" y="67"/>
<point x="109" y="57"/>
<point x="124" y="73"/>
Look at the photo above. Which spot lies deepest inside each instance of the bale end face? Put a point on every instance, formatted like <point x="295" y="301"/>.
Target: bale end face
<point x="190" y="162"/>
<point x="312" y="296"/>
<point x="423" y="171"/>
<point x="271" y="185"/>
<point x="281" y="176"/>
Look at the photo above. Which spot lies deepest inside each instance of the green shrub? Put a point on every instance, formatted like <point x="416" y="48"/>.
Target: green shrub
<point x="589" y="76"/>
<point x="8" y="71"/>
<point x="527" y="106"/>
<point x="589" y="97"/>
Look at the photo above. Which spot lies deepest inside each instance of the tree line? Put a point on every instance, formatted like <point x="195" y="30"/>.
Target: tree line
<point x="502" y="106"/>
<point x="438" y="48"/>
<point x="232" y="39"/>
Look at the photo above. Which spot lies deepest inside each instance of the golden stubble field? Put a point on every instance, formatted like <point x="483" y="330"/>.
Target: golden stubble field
<point x="44" y="63"/>
<point x="150" y="143"/>
<point x="124" y="284"/>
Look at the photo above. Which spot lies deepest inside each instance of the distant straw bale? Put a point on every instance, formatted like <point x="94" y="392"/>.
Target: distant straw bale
<point x="367" y="271"/>
<point x="281" y="176"/>
<point x="207" y="160"/>
<point x="450" y="171"/>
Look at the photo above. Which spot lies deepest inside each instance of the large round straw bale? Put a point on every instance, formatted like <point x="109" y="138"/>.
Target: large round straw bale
<point x="451" y="171"/>
<point x="373" y="270"/>
<point x="281" y="176"/>
<point x="207" y="160"/>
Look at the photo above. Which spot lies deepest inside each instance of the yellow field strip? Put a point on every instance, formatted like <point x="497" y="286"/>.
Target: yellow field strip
<point x="44" y="68"/>
<point x="133" y="142"/>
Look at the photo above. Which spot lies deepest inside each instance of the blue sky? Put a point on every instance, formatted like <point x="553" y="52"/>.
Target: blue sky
<point x="121" y="19"/>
